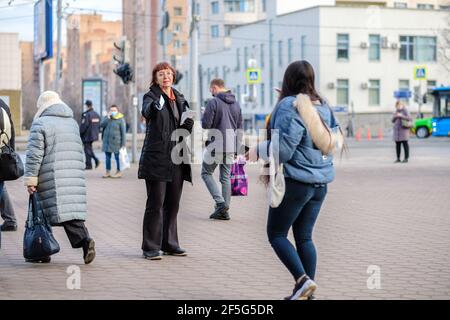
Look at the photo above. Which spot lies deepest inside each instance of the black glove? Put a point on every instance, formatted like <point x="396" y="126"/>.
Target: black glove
<point x="188" y="124"/>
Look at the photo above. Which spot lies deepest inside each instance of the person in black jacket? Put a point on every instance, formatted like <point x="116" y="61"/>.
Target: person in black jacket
<point x="164" y="172"/>
<point x="89" y="130"/>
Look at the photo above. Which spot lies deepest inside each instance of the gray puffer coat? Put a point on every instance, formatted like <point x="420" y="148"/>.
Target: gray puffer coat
<point x="55" y="165"/>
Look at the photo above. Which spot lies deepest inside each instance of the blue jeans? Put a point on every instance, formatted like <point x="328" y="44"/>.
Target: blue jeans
<point x="299" y="210"/>
<point x="209" y="165"/>
<point x="108" y="160"/>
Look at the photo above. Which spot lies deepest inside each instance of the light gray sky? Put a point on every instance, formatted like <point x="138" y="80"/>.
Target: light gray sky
<point x="19" y="17"/>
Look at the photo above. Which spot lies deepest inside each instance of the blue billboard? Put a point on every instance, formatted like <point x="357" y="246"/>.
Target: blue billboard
<point x="43" y="30"/>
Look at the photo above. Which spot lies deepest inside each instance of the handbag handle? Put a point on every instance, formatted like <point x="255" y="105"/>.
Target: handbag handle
<point x="34" y="214"/>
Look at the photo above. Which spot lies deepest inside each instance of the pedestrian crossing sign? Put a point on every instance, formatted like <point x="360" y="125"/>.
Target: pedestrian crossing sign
<point x="420" y="73"/>
<point x="253" y="76"/>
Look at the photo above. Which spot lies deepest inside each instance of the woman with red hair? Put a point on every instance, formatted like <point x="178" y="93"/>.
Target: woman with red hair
<point x="164" y="171"/>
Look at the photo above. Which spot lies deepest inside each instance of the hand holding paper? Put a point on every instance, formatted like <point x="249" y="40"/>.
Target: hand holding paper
<point x="188" y="114"/>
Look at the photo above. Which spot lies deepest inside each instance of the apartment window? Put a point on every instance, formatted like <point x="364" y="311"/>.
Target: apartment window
<point x="400" y="5"/>
<point x="263" y="93"/>
<point x="215" y="31"/>
<point x="178" y="11"/>
<point x="374" y="47"/>
<point x="302" y="46"/>
<point x="403" y="85"/>
<point x="425" y="6"/>
<point x="228" y="29"/>
<point x="245" y="57"/>
<point x="374" y="92"/>
<point x="216" y="72"/>
<point x="177" y="44"/>
<point x="280" y="53"/>
<point x="239" y="5"/>
<point x="238" y="59"/>
<point x="261" y="55"/>
<point x="264" y="5"/>
<point x="215" y="7"/>
<point x="342" y="46"/>
<point x="342" y="92"/>
<point x="177" y="27"/>
<point x="444" y="7"/>
<point x="290" y="48"/>
<point x="414" y="48"/>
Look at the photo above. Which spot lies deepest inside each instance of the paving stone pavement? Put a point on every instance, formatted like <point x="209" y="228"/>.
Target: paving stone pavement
<point x="377" y="213"/>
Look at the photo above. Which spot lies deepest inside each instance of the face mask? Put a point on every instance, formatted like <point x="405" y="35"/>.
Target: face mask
<point x="113" y="114"/>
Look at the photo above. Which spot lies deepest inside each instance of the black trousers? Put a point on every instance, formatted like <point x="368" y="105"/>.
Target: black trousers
<point x="89" y="154"/>
<point x="76" y="232"/>
<point x="160" y="219"/>
<point x="398" y="145"/>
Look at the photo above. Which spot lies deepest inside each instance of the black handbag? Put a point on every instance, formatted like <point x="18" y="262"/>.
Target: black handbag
<point x="11" y="166"/>
<point x="38" y="239"/>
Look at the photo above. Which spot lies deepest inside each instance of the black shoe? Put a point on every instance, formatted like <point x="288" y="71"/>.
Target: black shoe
<point x="303" y="290"/>
<point x="220" y="216"/>
<point x="221" y="212"/>
<point x="8" y="227"/>
<point x="152" y="255"/>
<point x="397" y="161"/>
<point x="97" y="164"/>
<point x="89" y="251"/>
<point x="405" y="161"/>
<point x="177" y="252"/>
<point x="43" y="260"/>
<point x="88" y="168"/>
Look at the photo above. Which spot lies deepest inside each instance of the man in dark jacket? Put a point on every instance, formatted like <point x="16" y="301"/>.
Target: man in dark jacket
<point x="89" y="130"/>
<point x="223" y="118"/>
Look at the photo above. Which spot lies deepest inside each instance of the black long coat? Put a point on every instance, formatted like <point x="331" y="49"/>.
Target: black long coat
<point x="156" y="163"/>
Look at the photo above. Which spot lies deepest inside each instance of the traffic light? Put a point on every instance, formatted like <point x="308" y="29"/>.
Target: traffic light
<point x="124" y="69"/>
<point x="425" y="98"/>
<point x="178" y="77"/>
<point x="125" y="72"/>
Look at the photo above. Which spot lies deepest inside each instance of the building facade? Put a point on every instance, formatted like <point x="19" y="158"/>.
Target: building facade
<point x="90" y="48"/>
<point x="11" y="76"/>
<point x="361" y="55"/>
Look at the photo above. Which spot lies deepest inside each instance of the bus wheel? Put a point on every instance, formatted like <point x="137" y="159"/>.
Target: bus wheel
<point x="422" y="132"/>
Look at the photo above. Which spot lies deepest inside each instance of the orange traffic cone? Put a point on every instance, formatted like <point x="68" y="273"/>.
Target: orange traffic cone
<point x="358" y="134"/>
<point x="380" y="134"/>
<point x="369" y="134"/>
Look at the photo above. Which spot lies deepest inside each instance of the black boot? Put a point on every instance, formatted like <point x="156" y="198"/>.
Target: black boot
<point x="89" y="251"/>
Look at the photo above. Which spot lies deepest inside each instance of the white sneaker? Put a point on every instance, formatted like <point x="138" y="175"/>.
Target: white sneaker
<point x="303" y="290"/>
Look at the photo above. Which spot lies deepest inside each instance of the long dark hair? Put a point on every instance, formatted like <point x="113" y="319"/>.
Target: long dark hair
<point x="299" y="78"/>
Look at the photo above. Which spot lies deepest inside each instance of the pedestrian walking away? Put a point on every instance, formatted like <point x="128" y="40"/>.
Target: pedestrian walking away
<point x="164" y="171"/>
<point x="114" y="138"/>
<point x="307" y="172"/>
<point x="402" y="125"/>
<point x="55" y="170"/>
<point x="223" y="120"/>
<point x="89" y="132"/>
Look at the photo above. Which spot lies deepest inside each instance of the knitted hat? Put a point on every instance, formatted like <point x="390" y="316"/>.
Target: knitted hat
<point x="46" y="100"/>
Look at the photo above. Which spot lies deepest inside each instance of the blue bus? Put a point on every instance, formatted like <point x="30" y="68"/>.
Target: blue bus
<point x="441" y="112"/>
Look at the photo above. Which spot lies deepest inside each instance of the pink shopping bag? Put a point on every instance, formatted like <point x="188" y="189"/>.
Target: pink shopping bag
<point x="239" y="183"/>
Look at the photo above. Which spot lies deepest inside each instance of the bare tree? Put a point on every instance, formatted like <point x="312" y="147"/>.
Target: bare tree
<point x="443" y="46"/>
